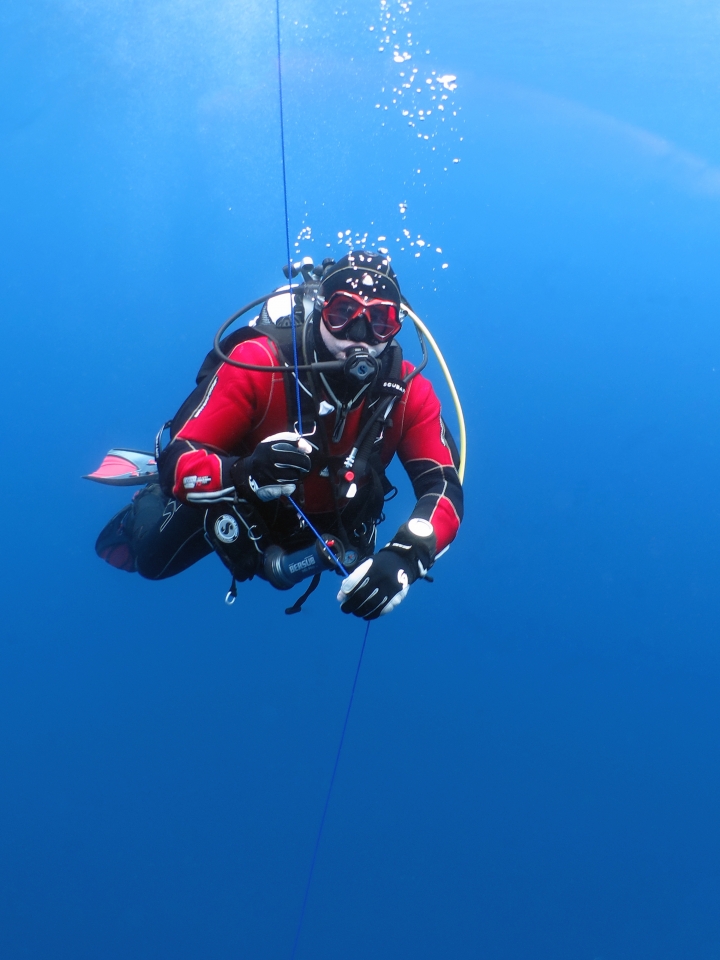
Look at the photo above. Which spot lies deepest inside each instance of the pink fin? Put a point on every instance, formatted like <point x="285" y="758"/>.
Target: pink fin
<point x="119" y="556"/>
<point x="125" y="468"/>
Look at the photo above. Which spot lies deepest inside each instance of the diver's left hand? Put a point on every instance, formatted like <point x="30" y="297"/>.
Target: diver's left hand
<point x="381" y="582"/>
<point x="378" y="585"/>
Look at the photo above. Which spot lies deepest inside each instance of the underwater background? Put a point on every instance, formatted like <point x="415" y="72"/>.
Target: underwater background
<point x="531" y="765"/>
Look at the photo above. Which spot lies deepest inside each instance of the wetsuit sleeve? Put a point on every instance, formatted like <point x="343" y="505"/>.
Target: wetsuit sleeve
<point x="196" y="466"/>
<point x="426" y="454"/>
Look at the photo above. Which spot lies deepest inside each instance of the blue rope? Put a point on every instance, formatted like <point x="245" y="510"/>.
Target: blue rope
<point x="287" y="220"/>
<point x="327" y="798"/>
<point x="297" y="508"/>
<point x="302" y="516"/>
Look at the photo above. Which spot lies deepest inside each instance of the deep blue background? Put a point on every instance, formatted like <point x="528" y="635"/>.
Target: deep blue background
<point x="531" y="768"/>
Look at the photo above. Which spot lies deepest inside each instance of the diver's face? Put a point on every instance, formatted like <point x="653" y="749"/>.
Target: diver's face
<point x="340" y="349"/>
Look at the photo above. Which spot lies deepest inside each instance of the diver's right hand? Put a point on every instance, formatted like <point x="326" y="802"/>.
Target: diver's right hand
<point x="275" y="466"/>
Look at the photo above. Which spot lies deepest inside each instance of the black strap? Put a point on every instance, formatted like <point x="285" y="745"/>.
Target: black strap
<point x="297" y="606"/>
<point x="389" y="388"/>
<point x="212" y="363"/>
<point x="282" y="338"/>
<point x="209" y="367"/>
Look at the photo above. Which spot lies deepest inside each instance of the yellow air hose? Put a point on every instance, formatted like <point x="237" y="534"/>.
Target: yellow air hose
<point x="450" y="382"/>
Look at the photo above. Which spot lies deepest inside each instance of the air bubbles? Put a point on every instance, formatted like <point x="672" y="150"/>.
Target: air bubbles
<point x="448" y="81"/>
<point x="424" y="98"/>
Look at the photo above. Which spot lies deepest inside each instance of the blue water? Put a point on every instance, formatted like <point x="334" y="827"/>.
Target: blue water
<point x="531" y="765"/>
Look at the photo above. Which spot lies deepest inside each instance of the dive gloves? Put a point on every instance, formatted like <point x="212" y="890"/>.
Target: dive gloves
<point x="275" y="467"/>
<point x="381" y="582"/>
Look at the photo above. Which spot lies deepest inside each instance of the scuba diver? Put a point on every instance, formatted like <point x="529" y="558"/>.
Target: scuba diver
<point x="277" y="460"/>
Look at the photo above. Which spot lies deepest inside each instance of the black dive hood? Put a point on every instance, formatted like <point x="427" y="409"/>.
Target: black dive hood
<point x="307" y="299"/>
<point x="362" y="272"/>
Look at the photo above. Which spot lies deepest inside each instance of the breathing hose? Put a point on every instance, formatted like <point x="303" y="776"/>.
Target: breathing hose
<point x="451" y="386"/>
<point x="423" y="333"/>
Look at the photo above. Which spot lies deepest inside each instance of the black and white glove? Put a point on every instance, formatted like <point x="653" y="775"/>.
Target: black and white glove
<point x="381" y="582"/>
<point x="275" y="467"/>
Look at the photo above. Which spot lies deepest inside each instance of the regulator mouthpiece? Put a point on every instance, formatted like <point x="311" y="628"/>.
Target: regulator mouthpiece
<point x="360" y="365"/>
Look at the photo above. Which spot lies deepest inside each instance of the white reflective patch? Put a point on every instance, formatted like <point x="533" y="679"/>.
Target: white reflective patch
<point x="420" y="528"/>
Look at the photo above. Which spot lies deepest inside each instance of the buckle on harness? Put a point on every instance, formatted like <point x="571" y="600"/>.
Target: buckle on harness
<point x="305" y="433"/>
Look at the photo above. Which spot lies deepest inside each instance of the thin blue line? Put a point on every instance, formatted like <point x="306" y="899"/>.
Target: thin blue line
<point x="339" y="565"/>
<point x="327" y="798"/>
<point x="300" y="512"/>
<point x="287" y="219"/>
